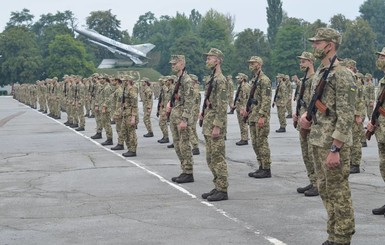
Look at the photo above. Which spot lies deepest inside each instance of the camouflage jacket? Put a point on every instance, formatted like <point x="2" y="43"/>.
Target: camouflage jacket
<point x="184" y="98"/>
<point x="147" y="97"/>
<point x="243" y="96"/>
<point x="282" y="94"/>
<point x="369" y="93"/>
<point x="130" y="107"/>
<point x="263" y="97"/>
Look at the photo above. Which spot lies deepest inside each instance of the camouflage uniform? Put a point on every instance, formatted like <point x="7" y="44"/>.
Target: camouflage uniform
<point x="147" y="99"/>
<point x="240" y="104"/>
<point x="130" y="111"/>
<point x="333" y="185"/>
<point x="80" y="94"/>
<point x="164" y="97"/>
<point x="281" y="100"/>
<point x="105" y="106"/>
<point x="193" y="125"/>
<point x="117" y="100"/>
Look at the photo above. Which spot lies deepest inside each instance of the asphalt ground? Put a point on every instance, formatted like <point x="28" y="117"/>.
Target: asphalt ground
<point x="58" y="186"/>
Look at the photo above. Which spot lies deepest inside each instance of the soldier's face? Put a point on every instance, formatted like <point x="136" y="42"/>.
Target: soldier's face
<point x="177" y="67"/>
<point x="211" y="61"/>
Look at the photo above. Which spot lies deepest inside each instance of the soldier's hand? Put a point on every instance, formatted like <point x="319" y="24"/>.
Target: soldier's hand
<point x="358" y="120"/>
<point x="149" y="110"/>
<point x="183" y="125"/>
<point x="295" y="117"/>
<point x="305" y="124"/>
<point x="103" y="109"/>
<point x="216" y="132"/>
<point x="261" y="122"/>
<point x="96" y="108"/>
<point x="333" y="160"/>
<point x="370" y="127"/>
<point x="168" y="108"/>
<point x="200" y="116"/>
<point x="132" y="121"/>
<point x="371" y="104"/>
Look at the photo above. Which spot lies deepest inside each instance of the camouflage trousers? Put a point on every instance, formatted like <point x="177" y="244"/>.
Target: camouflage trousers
<point x="106" y="123"/>
<point x="147" y="120"/>
<point x="381" y="153"/>
<point x="42" y="104"/>
<point x="194" y="140"/>
<point x="356" y="149"/>
<point x="79" y="111"/>
<point x="128" y="133"/>
<point x="181" y="140"/>
<point x="334" y="189"/>
<point x="87" y="105"/>
<point x="118" y="127"/>
<point x="163" y="122"/>
<point x="260" y="144"/>
<point x="281" y="110"/>
<point x="98" y="119"/>
<point x="215" y="157"/>
<point x="242" y="126"/>
<point x="289" y="108"/>
<point x="307" y="157"/>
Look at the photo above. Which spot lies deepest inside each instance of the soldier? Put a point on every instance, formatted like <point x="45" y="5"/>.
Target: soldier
<point x="289" y="91"/>
<point x="106" y="106"/>
<point x="280" y="100"/>
<point x="130" y="116"/>
<point x="80" y="97"/>
<point x="379" y="126"/>
<point x="99" y="83"/>
<point x="117" y="99"/>
<point x="230" y="89"/>
<point x="259" y="117"/>
<point x="180" y="108"/>
<point x="147" y="99"/>
<point x="215" y="126"/>
<point x="161" y="113"/>
<point x="331" y="135"/>
<point x="304" y="96"/>
<point x="193" y="126"/>
<point x="240" y="101"/>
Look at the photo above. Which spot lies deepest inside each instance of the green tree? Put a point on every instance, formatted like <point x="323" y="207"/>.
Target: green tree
<point x="21" y="60"/>
<point x="274" y="18"/>
<point x="339" y="22"/>
<point x="144" y="27"/>
<point x="68" y="56"/>
<point x="22" y="18"/>
<point x="373" y="12"/>
<point x="105" y="23"/>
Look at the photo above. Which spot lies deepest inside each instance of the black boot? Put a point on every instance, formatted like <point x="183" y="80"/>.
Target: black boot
<point x="328" y="243"/>
<point x="164" y="140"/>
<point x="281" y="130"/>
<point x="251" y="174"/>
<point x="186" y="178"/>
<point x="303" y="189"/>
<point x="312" y="192"/>
<point x="289" y="116"/>
<point x="129" y="154"/>
<point x="364" y="144"/>
<point x="80" y="129"/>
<point x="107" y="142"/>
<point x="170" y="146"/>
<point x="242" y="142"/>
<point x="173" y="179"/>
<point x="149" y="134"/>
<point x="379" y="211"/>
<point x="207" y="194"/>
<point x="75" y="125"/>
<point x="117" y="147"/>
<point x="354" y="169"/>
<point x="195" y="151"/>
<point x="264" y="173"/>
<point x="218" y="196"/>
<point x="97" y="136"/>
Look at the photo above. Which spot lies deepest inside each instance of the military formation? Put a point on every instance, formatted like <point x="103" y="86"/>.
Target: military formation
<point x="332" y="103"/>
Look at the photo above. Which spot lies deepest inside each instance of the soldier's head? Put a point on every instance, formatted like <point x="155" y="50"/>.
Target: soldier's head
<point x="146" y="81"/>
<point x="241" y="77"/>
<point x="325" y="42"/>
<point x="169" y="80"/>
<point x="177" y="62"/>
<point x="306" y="59"/>
<point x="214" y="58"/>
<point x="380" y="63"/>
<point x="255" y="64"/>
<point x="350" y="64"/>
<point x="128" y="80"/>
<point x="368" y="77"/>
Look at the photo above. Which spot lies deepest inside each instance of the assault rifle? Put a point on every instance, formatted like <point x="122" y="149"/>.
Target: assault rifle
<point x="276" y="94"/>
<point x="175" y="93"/>
<point x="316" y="103"/>
<point x="251" y="100"/>
<point x="236" y="98"/>
<point x="206" y="102"/>
<point x="378" y="110"/>
<point x="160" y="98"/>
<point x="300" y="101"/>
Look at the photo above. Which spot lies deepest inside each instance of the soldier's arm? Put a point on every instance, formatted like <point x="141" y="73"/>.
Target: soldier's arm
<point x="221" y="105"/>
<point x="266" y="97"/>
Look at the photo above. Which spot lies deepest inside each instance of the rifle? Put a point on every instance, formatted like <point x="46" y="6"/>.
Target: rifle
<point x="378" y="110"/>
<point x="251" y="100"/>
<point x="175" y="93"/>
<point x="236" y="98"/>
<point x="206" y="101"/>
<point x="316" y="103"/>
<point x="300" y="101"/>
<point x="159" y="102"/>
<point x="276" y="94"/>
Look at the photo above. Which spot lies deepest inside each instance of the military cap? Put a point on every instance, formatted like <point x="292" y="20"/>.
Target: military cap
<point x="359" y="75"/>
<point x="145" y="79"/>
<point x="307" y="56"/>
<point x="382" y="51"/>
<point x="255" y="59"/>
<point x="350" y="62"/>
<point x="280" y="75"/>
<point x="229" y="76"/>
<point x="173" y="77"/>
<point x="368" y="75"/>
<point x="193" y="77"/>
<point x="242" y="76"/>
<point x="215" y="52"/>
<point x="95" y="75"/>
<point x="175" y="58"/>
<point x="326" y="34"/>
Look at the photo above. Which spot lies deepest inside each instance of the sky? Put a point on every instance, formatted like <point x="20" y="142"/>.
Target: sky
<point x="247" y="13"/>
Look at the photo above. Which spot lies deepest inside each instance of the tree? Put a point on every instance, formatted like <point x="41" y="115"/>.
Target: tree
<point x="274" y="19"/>
<point x="339" y="22"/>
<point x="105" y="23"/>
<point x="195" y="19"/>
<point x="373" y="12"/>
<point x="143" y="28"/>
<point x="22" y="18"/>
<point x="68" y="56"/>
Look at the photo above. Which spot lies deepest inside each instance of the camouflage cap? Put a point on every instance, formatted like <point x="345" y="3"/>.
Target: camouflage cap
<point x="359" y="75"/>
<point x="326" y="34"/>
<point x="255" y="59"/>
<point x="175" y="58"/>
<point x="215" y="52"/>
<point x="349" y="62"/>
<point x="307" y="56"/>
<point x="368" y="75"/>
<point x="280" y="75"/>
<point x="382" y="51"/>
<point x="229" y="76"/>
<point x="193" y="77"/>
<point x="145" y="79"/>
<point x="242" y="76"/>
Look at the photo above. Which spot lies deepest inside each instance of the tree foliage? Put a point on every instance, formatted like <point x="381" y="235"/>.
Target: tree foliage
<point x="274" y="18"/>
<point x="373" y="12"/>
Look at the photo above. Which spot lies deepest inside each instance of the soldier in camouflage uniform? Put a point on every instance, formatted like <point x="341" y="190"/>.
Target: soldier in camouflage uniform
<point x="161" y="110"/>
<point x="230" y="90"/>
<point x="215" y="126"/>
<point x="243" y="91"/>
<point x="117" y="101"/>
<point x="380" y="126"/>
<point x="147" y="99"/>
<point x="193" y="126"/>
<point x="331" y="137"/>
<point x="306" y="64"/>
<point x="180" y="108"/>
<point x="280" y="100"/>
<point x="259" y="118"/>
<point x="99" y="86"/>
<point x="106" y="106"/>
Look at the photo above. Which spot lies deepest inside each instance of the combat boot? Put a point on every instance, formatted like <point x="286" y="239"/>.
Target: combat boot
<point x="117" y="147"/>
<point x="207" y="194"/>
<point x="281" y="130"/>
<point x="67" y="123"/>
<point x="354" y="169"/>
<point x="379" y="211"/>
<point x="264" y="173"/>
<point x="164" y="140"/>
<point x="87" y="115"/>
<point x="107" y="142"/>
<point x="75" y="125"/>
<point x="129" y="154"/>
<point x="257" y="171"/>
<point x="289" y="116"/>
<point x="149" y="134"/>
<point x="173" y="179"/>
<point x="91" y="116"/>
<point x="170" y="146"/>
<point x="328" y="243"/>
<point x="113" y="122"/>
<point x="303" y="189"/>
<point x="96" y="136"/>
<point x="80" y="129"/>
<point x="195" y="151"/>
<point x="364" y="144"/>
<point x="312" y="192"/>
<point x="218" y="196"/>
<point x="186" y="178"/>
<point x="242" y="142"/>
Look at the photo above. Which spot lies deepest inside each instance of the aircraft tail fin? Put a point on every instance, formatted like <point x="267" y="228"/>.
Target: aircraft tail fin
<point x="144" y="48"/>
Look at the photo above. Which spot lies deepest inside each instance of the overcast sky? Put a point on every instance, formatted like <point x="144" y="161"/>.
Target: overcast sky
<point x="247" y="13"/>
